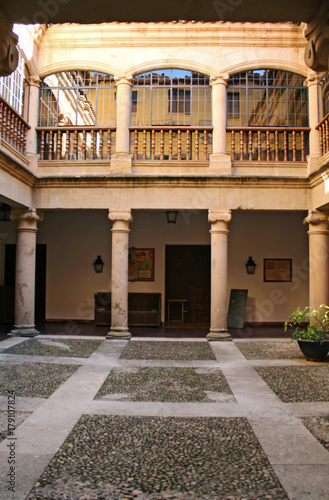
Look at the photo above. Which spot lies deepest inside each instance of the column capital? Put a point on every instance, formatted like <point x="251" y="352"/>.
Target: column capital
<point x="123" y="80"/>
<point x="120" y="215"/>
<point x="8" y="49"/>
<point x="219" y="79"/>
<point x="312" y="79"/>
<point x="219" y="216"/>
<point x="34" y="80"/>
<point x="315" y="218"/>
<point x="30" y="215"/>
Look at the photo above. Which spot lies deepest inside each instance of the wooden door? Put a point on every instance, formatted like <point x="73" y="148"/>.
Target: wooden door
<point x="188" y="277"/>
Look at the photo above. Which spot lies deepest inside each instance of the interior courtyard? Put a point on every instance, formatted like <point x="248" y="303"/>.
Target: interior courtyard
<point x="164" y="207"/>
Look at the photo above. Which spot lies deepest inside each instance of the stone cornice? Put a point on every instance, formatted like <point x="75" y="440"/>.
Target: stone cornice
<point x="170" y="34"/>
<point x="16" y="170"/>
<point x="171" y="181"/>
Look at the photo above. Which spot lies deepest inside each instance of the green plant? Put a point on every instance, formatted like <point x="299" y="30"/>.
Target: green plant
<point x="309" y="324"/>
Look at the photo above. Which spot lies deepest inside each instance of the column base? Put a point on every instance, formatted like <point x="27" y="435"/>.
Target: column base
<point x="24" y="331"/>
<point x="221" y="336"/>
<point x="118" y="334"/>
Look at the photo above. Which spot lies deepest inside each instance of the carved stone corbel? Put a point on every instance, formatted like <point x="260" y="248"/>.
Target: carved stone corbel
<point x="317" y="34"/>
<point x="8" y="49"/>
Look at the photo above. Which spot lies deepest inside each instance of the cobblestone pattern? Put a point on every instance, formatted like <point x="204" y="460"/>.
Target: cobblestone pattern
<point x="178" y="351"/>
<point x="33" y="379"/>
<point x="270" y="350"/>
<point x="166" y="385"/>
<point x="110" y="457"/>
<point x="296" y="384"/>
<point x="319" y="427"/>
<point x="53" y="347"/>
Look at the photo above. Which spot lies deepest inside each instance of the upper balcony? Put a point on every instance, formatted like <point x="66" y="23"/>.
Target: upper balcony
<point x="168" y="121"/>
<point x="13" y="131"/>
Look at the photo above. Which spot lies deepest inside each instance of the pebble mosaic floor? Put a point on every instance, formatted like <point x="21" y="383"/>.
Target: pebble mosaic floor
<point x="33" y="379"/>
<point x="270" y="350"/>
<point x="168" y="350"/>
<point x="166" y="384"/>
<point x="218" y="457"/>
<point x="129" y="456"/>
<point x="297" y="384"/>
<point x="55" y="347"/>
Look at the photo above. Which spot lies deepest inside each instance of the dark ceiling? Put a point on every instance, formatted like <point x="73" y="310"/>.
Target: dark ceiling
<point x="98" y="11"/>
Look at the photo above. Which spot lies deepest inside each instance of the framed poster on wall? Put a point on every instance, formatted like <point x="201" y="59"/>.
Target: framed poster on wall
<point x="141" y="264"/>
<point x="277" y="270"/>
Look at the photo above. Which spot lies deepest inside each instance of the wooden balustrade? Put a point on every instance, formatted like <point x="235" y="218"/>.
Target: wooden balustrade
<point x="171" y="143"/>
<point x="267" y="143"/>
<point x="323" y="129"/>
<point x="76" y="143"/>
<point x="13" y="128"/>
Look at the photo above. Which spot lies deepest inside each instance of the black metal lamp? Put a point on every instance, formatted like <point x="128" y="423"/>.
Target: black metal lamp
<point x="98" y="264"/>
<point x="171" y="216"/>
<point x="4" y="212"/>
<point x="250" y="266"/>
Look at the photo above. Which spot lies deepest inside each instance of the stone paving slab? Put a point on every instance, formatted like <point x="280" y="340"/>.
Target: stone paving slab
<point x="297" y="383"/>
<point x="33" y="379"/>
<point x="55" y="347"/>
<point x="207" y="457"/>
<point x="166" y="385"/>
<point x="168" y="350"/>
<point x="157" y="409"/>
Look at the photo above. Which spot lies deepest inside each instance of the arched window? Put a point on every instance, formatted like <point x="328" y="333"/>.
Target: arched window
<point x="77" y="98"/>
<point x="267" y="97"/>
<point x="11" y="87"/>
<point x="171" y="97"/>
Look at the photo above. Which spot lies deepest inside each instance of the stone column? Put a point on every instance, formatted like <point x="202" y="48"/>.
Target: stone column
<point x="25" y="271"/>
<point x="219" y="266"/>
<point x="119" y="279"/>
<point x="121" y="159"/>
<point x="220" y="162"/>
<point x="319" y="258"/>
<point x="32" y="105"/>
<point x="312" y="83"/>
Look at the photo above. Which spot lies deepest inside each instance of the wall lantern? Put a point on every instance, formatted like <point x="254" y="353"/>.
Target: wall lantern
<point x="171" y="216"/>
<point x="250" y="266"/>
<point x="4" y="212"/>
<point x="98" y="264"/>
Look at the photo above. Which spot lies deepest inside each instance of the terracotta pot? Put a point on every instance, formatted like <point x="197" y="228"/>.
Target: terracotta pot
<point x="314" y="351"/>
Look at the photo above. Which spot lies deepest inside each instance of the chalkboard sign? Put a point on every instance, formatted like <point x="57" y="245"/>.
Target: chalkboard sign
<point x="237" y="308"/>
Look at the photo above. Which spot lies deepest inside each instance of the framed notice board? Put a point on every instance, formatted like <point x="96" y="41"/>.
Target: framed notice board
<point x="276" y="270"/>
<point x="237" y="308"/>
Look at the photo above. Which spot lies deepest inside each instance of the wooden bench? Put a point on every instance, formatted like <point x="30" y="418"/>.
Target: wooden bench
<point x="144" y="309"/>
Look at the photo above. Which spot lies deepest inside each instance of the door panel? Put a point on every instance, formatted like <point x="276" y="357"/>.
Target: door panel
<point x="188" y="277"/>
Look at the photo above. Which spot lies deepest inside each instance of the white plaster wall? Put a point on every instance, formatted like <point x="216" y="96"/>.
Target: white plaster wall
<point x="269" y="235"/>
<point x="75" y="238"/>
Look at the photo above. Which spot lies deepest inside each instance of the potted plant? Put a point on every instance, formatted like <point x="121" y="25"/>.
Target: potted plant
<point x="310" y="328"/>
